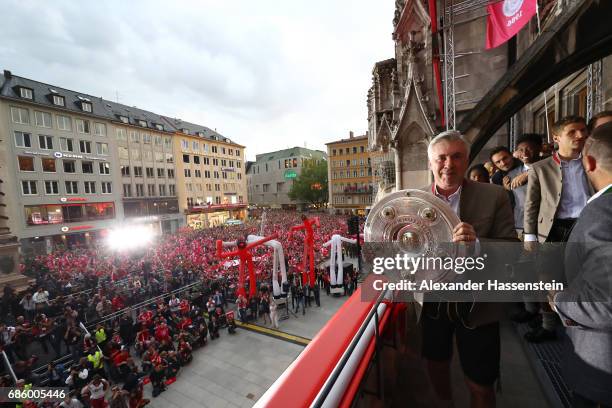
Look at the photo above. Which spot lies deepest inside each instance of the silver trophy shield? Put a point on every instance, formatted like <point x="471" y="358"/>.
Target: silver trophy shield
<point x="415" y="223"/>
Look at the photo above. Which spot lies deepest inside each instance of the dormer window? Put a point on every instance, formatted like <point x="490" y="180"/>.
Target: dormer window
<point x="159" y="126"/>
<point x="142" y="123"/>
<point x="185" y="131"/>
<point x="124" y="119"/>
<point x="86" y="107"/>
<point x="26" y="93"/>
<point x="59" y="100"/>
<point x="201" y="134"/>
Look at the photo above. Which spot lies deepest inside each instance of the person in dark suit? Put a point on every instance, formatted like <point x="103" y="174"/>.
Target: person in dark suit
<point x="502" y="159"/>
<point x="316" y="290"/>
<point x="486" y="214"/>
<point x="585" y="306"/>
<point x="293" y="292"/>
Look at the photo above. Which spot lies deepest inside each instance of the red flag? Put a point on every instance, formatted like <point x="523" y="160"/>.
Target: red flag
<point x="506" y="18"/>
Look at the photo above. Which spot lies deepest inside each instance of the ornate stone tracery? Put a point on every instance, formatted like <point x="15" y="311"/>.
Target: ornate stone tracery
<point x="402" y="114"/>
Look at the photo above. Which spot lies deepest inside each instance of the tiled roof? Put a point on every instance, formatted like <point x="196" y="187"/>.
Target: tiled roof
<point x="349" y="139"/>
<point x="292" y="152"/>
<point x="195" y="129"/>
<point x="42" y="95"/>
<point x="135" y="115"/>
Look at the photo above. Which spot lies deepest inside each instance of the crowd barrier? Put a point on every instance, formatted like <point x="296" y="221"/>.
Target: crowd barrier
<point x="134" y="310"/>
<point x="7" y="364"/>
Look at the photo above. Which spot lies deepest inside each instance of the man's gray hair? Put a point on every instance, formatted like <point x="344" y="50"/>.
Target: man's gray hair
<point x="448" y="136"/>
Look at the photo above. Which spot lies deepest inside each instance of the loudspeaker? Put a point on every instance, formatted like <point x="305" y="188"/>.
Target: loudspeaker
<point x="353" y="225"/>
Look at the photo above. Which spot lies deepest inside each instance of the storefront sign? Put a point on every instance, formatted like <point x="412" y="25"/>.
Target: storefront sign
<point x="214" y="207"/>
<point x="96" y="158"/>
<point x="149" y="218"/>
<point x="76" y="228"/>
<point x="37" y="153"/>
<point x="72" y="199"/>
<point x="228" y="169"/>
<point x="62" y="155"/>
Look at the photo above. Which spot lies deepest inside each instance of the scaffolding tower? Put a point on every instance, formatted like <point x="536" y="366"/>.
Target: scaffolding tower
<point x="451" y="10"/>
<point x="594" y="89"/>
<point x="449" y="65"/>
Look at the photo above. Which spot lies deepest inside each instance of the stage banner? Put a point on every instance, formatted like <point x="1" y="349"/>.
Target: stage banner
<point x="506" y="18"/>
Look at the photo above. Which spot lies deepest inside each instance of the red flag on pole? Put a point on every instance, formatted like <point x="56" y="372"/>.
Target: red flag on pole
<point x="506" y="18"/>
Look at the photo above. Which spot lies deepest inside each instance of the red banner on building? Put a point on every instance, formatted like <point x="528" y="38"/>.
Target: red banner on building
<point x="506" y="18"/>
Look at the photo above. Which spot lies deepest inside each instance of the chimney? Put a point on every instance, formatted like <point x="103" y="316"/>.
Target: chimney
<point x="351" y="134"/>
<point x="7" y="74"/>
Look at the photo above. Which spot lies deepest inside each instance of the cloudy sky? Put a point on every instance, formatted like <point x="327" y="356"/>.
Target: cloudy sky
<point x="269" y="74"/>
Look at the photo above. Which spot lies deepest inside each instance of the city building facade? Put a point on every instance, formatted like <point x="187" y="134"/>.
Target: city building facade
<point x="146" y="168"/>
<point x="60" y="165"/>
<point x="211" y="181"/>
<point x="271" y="176"/>
<point x="350" y="175"/>
<point x="73" y="166"/>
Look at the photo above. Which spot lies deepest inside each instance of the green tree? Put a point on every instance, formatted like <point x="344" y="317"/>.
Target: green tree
<point x="311" y="185"/>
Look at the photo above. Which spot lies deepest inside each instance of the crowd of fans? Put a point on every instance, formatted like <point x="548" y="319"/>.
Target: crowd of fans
<point x="510" y="169"/>
<point x="105" y="319"/>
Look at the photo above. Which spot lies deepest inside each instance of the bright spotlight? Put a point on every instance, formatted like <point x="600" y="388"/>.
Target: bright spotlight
<point x="126" y="238"/>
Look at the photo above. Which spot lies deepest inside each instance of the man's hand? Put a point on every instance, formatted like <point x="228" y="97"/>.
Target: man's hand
<point x="519" y="180"/>
<point x="506" y="183"/>
<point x="464" y="232"/>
